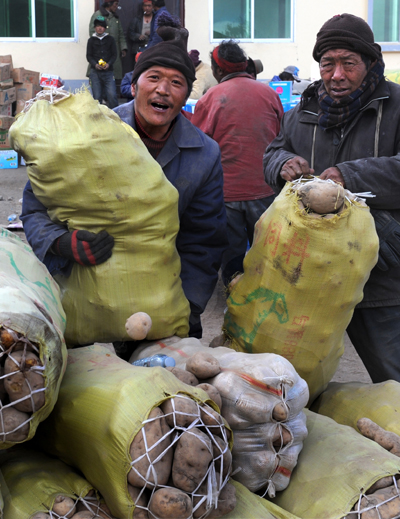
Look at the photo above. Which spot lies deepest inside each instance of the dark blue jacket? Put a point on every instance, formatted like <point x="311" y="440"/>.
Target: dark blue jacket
<point x="101" y="48"/>
<point x="191" y="162"/>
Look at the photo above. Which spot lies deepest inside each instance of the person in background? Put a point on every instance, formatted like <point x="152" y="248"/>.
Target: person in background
<point x="243" y="115"/>
<point x="139" y="28"/>
<point x="101" y="53"/>
<point x="289" y="74"/>
<point x="204" y="76"/>
<point x="109" y="10"/>
<point x="162" y="79"/>
<point x="347" y="129"/>
<point x="126" y="90"/>
<point x="158" y="9"/>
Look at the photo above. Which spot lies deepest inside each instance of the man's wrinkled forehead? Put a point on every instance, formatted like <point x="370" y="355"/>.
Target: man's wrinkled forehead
<point x="340" y="53"/>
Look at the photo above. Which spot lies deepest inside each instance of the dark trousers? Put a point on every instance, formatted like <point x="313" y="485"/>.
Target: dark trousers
<point x="241" y="219"/>
<point x="375" y="334"/>
<point x="103" y="86"/>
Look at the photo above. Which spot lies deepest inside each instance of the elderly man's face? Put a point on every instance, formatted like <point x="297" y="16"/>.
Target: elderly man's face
<point x="342" y="72"/>
<point x="160" y="93"/>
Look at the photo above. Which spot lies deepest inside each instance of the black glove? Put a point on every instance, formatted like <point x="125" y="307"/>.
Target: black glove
<point x="84" y="247"/>
<point x="388" y="230"/>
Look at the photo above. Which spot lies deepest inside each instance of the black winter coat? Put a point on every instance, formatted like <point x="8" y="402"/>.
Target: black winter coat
<point x="101" y="48"/>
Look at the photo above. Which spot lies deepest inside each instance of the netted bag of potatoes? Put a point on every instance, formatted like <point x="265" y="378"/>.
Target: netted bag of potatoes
<point x="141" y="437"/>
<point x="303" y="276"/>
<point x="93" y="172"/>
<point x="37" y="486"/>
<point x="261" y="396"/>
<point x="336" y="470"/>
<point x="32" y="347"/>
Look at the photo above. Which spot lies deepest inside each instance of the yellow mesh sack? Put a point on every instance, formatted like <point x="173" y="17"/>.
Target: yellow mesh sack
<point x="302" y="278"/>
<point x="347" y="403"/>
<point x="92" y="172"/>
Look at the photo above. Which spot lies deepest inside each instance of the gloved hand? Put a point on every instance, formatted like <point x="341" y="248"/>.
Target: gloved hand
<point x="388" y="230"/>
<point x="84" y="247"/>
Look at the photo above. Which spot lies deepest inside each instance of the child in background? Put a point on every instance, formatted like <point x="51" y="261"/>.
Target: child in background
<point x="101" y="53"/>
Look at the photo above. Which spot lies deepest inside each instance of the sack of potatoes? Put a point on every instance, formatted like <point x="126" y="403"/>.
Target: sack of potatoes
<point x="152" y="446"/>
<point x="32" y="347"/>
<point x="260" y="396"/>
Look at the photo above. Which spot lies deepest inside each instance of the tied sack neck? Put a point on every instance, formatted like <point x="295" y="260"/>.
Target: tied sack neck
<point x="337" y="113"/>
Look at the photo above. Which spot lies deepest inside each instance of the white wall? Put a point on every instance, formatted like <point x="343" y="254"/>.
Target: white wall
<point x="309" y="16"/>
<point x="65" y="59"/>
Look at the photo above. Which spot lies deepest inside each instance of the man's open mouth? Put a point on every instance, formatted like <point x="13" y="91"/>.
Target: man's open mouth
<point x="161" y="107"/>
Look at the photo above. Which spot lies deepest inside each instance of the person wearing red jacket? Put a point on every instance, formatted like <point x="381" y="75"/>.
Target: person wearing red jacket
<point x="243" y="116"/>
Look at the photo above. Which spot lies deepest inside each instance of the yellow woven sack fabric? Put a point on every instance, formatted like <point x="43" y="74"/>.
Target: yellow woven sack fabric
<point x="251" y="506"/>
<point x="33" y="481"/>
<point x="302" y="278"/>
<point x="30" y="305"/>
<point x="347" y="403"/>
<point x="93" y="172"/>
<point x="102" y="403"/>
<point x="335" y="466"/>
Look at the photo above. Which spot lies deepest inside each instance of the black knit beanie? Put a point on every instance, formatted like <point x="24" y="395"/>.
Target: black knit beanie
<point x="346" y="31"/>
<point x="170" y="53"/>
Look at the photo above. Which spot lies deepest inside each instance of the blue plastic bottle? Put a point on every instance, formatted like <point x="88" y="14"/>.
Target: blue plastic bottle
<point x="156" y="360"/>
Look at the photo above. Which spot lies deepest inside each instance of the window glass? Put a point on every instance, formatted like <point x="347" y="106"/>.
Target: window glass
<point x="54" y="19"/>
<point x="271" y="19"/>
<point x="232" y="19"/>
<point x="386" y="16"/>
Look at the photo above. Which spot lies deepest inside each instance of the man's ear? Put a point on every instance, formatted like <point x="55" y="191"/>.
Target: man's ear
<point x="133" y="89"/>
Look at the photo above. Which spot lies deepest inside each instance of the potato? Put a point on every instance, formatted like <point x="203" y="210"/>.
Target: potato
<point x="7" y="338"/>
<point x="160" y="471"/>
<point x="134" y="492"/>
<point x="180" y="411"/>
<point x="226" y="502"/>
<point x="219" y="340"/>
<point x="280" y="412"/>
<point x="138" y="325"/>
<point x="381" y="483"/>
<point x="212" y="392"/>
<point x="281" y="438"/>
<point x="203" y="365"/>
<point x="64" y="506"/>
<point x="41" y="515"/>
<point x="211" y="418"/>
<point x="386" y="439"/>
<point x="11" y="421"/>
<point x="221" y="452"/>
<point x="100" y="509"/>
<point x="321" y="197"/>
<point x="21" y="385"/>
<point x="387" y="510"/>
<point x="170" y="503"/>
<point x="85" y="515"/>
<point x="193" y="454"/>
<point x="184" y="376"/>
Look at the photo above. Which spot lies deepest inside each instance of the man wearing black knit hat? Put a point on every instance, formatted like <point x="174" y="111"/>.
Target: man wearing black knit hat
<point x="161" y="83"/>
<point x="347" y="128"/>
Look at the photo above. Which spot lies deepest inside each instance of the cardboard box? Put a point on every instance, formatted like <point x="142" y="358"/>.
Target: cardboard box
<point x="6" y="110"/>
<point x="7" y="59"/>
<point x="5" y="71"/>
<point x="4" y="140"/>
<point x="49" y="80"/>
<point x="8" y="159"/>
<point x="7" y="83"/>
<point x="20" y="75"/>
<point x="26" y="91"/>
<point x="8" y="96"/>
<point x="6" y="122"/>
<point x="20" y="106"/>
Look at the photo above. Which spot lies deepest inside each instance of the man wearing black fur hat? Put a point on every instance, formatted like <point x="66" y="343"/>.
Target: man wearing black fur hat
<point x="162" y="81"/>
<point x="347" y="128"/>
